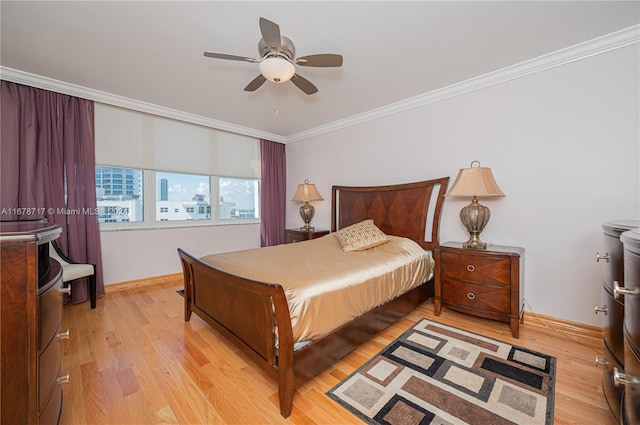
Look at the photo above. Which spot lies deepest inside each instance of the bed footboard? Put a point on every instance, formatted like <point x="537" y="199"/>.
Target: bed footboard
<point x="246" y="312"/>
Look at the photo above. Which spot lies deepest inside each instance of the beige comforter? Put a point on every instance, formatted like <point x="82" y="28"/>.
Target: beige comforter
<point x="327" y="287"/>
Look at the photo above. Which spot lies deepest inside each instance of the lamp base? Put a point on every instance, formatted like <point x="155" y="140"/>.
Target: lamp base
<point x="306" y="213"/>
<point x="475" y="217"/>
<point x="475" y="243"/>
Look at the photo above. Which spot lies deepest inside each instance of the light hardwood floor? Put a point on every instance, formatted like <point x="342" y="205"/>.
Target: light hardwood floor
<point x="133" y="360"/>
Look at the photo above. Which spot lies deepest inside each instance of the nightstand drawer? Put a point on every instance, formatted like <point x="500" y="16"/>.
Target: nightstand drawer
<point x="474" y="268"/>
<point x="481" y="297"/>
<point x="294" y="235"/>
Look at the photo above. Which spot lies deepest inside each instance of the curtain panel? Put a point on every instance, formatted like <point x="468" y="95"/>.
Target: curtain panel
<point x="274" y="188"/>
<point x="47" y="167"/>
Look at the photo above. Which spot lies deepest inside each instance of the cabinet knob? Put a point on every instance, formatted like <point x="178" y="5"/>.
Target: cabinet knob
<point x="602" y="257"/>
<point x="470" y="268"/>
<point x="63" y="335"/>
<point x="64" y="379"/>
<point x="620" y="378"/>
<point x="618" y="290"/>
<point x="601" y="362"/>
<point x="597" y="309"/>
<point x="471" y="296"/>
<point x="66" y="290"/>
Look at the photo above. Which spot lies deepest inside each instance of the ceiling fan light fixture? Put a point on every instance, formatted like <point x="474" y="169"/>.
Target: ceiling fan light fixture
<point x="277" y="69"/>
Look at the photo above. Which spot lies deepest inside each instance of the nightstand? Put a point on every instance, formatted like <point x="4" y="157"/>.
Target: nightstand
<point x="484" y="282"/>
<point x="297" y="235"/>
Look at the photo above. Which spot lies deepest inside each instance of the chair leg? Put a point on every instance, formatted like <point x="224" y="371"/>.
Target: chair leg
<point x="92" y="290"/>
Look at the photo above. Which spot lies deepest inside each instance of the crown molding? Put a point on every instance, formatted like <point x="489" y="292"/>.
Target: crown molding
<point x="39" y="81"/>
<point x="606" y="43"/>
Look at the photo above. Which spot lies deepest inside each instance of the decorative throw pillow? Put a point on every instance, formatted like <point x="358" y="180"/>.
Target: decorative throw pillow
<point x="361" y="236"/>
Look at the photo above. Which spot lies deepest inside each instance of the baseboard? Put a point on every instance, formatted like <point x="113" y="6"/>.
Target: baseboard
<point x="565" y="326"/>
<point x="530" y="318"/>
<point x="140" y="283"/>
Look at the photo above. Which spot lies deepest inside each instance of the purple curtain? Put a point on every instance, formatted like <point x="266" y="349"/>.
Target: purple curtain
<point x="48" y="166"/>
<point x="274" y="187"/>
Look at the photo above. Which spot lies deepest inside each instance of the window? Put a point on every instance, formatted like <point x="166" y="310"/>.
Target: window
<point x="175" y="198"/>
<point x="118" y="203"/>
<point x="239" y="198"/>
<point x="186" y="195"/>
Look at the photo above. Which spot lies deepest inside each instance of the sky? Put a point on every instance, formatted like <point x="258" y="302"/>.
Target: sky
<point x="182" y="187"/>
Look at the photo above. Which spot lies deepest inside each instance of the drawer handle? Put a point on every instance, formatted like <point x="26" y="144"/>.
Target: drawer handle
<point x="620" y="378"/>
<point x="64" y="335"/>
<point x="597" y="309"/>
<point x="63" y="379"/>
<point x="471" y="268"/>
<point x="66" y="290"/>
<point x="601" y="362"/>
<point x="471" y="296"/>
<point x="602" y="257"/>
<point x="617" y="290"/>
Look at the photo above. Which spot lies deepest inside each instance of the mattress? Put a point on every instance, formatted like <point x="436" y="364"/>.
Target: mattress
<point x="326" y="286"/>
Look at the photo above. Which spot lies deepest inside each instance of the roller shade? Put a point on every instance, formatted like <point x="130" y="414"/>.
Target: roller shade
<point x="132" y="139"/>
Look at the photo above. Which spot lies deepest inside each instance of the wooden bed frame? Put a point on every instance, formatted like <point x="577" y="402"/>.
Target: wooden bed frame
<point x="246" y="311"/>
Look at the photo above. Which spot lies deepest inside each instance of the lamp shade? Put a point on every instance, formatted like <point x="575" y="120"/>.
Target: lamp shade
<point x="307" y="192"/>
<point x="277" y="69"/>
<point x="475" y="181"/>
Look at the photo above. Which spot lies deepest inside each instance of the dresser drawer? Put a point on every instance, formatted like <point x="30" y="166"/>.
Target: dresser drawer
<point x="49" y="362"/>
<point x="614" y="268"/>
<point x="631" y="391"/>
<point x="473" y="268"/>
<point x="612" y="392"/>
<point x="50" y="308"/>
<point x="612" y="324"/>
<point x="52" y="410"/>
<point x="632" y="301"/>
<point x="478" y="296"/>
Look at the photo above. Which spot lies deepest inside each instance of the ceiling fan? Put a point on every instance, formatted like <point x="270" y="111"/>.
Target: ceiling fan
<point x="277" y="60"/>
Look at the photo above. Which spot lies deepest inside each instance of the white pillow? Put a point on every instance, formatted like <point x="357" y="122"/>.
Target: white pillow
<point x="361" y="236"/>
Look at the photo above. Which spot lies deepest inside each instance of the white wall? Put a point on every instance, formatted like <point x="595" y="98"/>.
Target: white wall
<point x="138" y="254"/>
<point x="563" y="145"/>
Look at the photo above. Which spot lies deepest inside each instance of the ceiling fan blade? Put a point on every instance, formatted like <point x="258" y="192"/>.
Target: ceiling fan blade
<point x="255" y="83"/>
<point x="270" y="33"/>
<point x="304" y="84"/>
<point x="322" y="60"/>
<point x="229" y="57"/>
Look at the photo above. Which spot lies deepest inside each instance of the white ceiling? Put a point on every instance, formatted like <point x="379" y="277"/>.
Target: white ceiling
<point x="152" y="51"/>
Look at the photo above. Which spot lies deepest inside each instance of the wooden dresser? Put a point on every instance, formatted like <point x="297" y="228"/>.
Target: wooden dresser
<point x="30" y="318"/>
<point x="484" y="282"/>
<point x="630" y="379"/>
<point x="612" y="310"/>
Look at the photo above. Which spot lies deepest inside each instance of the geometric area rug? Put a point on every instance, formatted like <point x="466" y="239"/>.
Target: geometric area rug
<point x="438" y="374"/>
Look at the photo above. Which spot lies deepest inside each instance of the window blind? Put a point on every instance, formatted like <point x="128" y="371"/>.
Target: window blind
<point x="132" y="139"/>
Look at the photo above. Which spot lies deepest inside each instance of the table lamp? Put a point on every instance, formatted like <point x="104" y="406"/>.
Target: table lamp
<point x="475" y="182"/>
<point x="307" y="192"/>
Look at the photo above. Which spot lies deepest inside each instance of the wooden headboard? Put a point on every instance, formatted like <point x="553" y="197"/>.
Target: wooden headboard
<point x="411" y="210"/>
